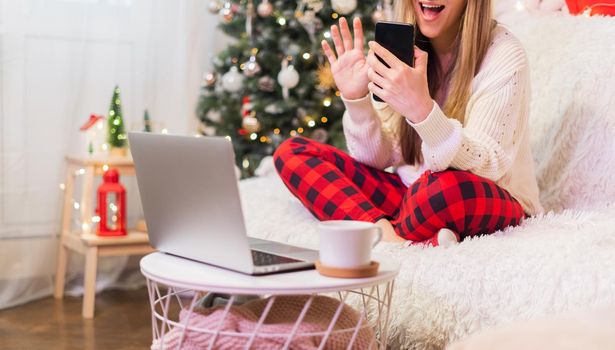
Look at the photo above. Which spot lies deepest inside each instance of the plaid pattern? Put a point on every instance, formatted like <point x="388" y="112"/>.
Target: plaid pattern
<point x="335" y="186"/>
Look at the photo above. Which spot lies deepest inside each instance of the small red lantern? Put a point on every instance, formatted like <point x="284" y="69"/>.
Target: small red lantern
<point x="111" y="205"/>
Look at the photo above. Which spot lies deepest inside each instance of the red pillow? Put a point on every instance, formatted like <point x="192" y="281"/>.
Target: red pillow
<point x="598" y="7"/>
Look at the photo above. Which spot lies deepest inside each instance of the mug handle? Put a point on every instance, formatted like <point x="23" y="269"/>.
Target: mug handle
<point x="379" y="238"/>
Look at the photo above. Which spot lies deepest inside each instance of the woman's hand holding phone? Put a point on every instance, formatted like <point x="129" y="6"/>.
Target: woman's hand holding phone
<point x="349" y="67"/>
<point x="402" y="87"/>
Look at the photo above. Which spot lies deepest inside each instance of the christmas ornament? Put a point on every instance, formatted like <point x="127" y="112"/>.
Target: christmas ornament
<point x="116" y="134"/>
<point x="378" y="14"/>
<point x="324" y="77"/>
<point x="214" y="7"/>
<point x="249" y="121"/>
<point x="251" y="67"/>
<point x="319" y="134"/>
<point x="209" y="79"/>
<point x="111" y="205"/>
<point x="266" y="84"/>
<point x="232" y="81"/>
<point x="344" y="7"/>
<point x="264" y="9"/>
<point x="306" y="15"/>
<point x="288" y="78"/>
<point x="227" y="12"/>
<point x="249" y="17"/>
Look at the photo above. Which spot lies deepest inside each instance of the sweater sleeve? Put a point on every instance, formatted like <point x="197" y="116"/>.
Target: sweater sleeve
<point x="370" y="132"/>
<point x="488" y="143"/>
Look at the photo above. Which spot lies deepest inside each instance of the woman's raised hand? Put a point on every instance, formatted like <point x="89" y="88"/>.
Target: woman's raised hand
<point x="349" y="67"/>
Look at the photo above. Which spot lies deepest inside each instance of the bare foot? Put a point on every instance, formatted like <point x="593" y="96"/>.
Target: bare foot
<point x="388" y="233"/>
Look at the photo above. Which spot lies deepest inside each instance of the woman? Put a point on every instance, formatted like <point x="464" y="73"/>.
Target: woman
<point x="454" y="128"/>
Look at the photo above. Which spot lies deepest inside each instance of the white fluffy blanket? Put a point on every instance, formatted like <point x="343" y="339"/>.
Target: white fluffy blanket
<point x="562" y="261"/>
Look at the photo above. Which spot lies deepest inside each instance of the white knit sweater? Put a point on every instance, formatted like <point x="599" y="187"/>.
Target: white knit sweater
<point x="492" y="143"/>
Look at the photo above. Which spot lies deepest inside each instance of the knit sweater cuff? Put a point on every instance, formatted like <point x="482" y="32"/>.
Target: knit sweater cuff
<point x="436" y="129"/>
<point x="360" y="110"/>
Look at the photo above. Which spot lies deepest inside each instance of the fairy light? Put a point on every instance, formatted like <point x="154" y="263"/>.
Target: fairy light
<point x="164" y="131"/>
<point x="293" y="133"/>
<point x="95" y="219"/>
<point x="245" y="163"/>
<point x="520" y="5"/>
<point x="306" y="56"/>
<point x="300" y="130"/>
<point x="263" y="139"/>
<point x="104" y="146"/>
<point x="327" y="34"/>
<point x="253" y="136"/>
<point x="326" y="102"/>
<point x="228" y="138"/>
<point x="62" y="187"/>
<point x="335" y="15"/>
<point x="85" y="227"/>
<point x="276" y="131"/>
<point x="311" y="123"/>
<point x="105" y="167"/>
<point x="80" y="172"/>
<point x="282" y="21"/>
<point x="338" y="93"/>
<point x="324" y="119"/>
<point x="76" y="205"/>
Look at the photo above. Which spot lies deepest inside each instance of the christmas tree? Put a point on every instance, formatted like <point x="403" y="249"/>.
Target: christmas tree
<point x="273" y="81"/>
<point x="117" y="136"/>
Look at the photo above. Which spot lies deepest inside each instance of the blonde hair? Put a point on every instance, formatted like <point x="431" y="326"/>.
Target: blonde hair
<point x="470" y="47"/>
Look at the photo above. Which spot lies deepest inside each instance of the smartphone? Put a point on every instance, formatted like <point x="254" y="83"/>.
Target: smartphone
<point x="397" y="38"/>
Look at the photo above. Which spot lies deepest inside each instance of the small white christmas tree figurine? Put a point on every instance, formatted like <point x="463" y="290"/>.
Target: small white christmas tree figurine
<point x="95" y="133"/>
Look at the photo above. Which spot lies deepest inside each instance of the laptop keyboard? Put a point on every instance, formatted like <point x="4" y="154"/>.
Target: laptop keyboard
<point x="264" y="259"/>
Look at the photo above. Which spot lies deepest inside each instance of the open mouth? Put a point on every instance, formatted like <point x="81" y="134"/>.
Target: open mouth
<point x="430" y="10"/>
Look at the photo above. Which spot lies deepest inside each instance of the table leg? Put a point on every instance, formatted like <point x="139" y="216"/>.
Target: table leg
<point x="67" y="210"/>
<point x="89" y="282"/>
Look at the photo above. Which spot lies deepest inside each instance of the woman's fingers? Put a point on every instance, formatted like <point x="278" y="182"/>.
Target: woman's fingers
<point x="357" y="28"/>
<point x="337" y="40"/>
<point x="328" y="52"/>
<point x="346" y="36"/>
<point x="377" y="78"/>
<point x="420" y="59"/>
<point x="375" y="64"/>
<point x="377" y="90"/>
<point x="385" y="54"/>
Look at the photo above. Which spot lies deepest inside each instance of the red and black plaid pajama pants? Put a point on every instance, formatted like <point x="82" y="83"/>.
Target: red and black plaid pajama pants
<point x="334" y="186"/>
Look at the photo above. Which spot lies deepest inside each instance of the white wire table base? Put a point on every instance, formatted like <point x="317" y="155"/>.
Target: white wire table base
<point x="358" y="320"/>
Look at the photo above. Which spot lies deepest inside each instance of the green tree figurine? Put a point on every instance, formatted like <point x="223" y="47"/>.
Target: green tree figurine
<point x="117" y="135"/>
<point x="147" y="124"/>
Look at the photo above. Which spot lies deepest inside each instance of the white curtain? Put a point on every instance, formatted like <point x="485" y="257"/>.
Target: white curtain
<point x="59" y="62"/>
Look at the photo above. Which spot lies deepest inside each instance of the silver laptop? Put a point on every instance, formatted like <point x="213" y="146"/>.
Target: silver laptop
<point x="192" y="207"/>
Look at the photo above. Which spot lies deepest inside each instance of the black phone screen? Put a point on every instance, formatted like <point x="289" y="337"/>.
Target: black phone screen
<point x="397" y="38"/>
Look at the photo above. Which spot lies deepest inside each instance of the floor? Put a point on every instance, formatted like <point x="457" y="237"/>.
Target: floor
<point x="122" y="321"/>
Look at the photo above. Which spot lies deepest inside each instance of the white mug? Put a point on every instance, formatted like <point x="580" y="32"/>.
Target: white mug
<point x="347" y="244"/>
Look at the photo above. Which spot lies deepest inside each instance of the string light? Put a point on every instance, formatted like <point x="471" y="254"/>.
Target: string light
<point x="327" y="34"/>
<point x="311" y="123"/>
<point x="164" y="131"/>
<point x="326" y="102"/>
<point x="293" y="133"/>
<point x="338" y="93"/>
<point x="276" y="131"/>
<point x="105" y="167"/>
<point x="95" y="219"/>
<point x="282" y="21"/>
<point x="228" y="138"/>
<point x="324" y="119"/>
<point x="76" y="205"/>
<point x="245" y="163"/>
<point x="253" y="136"/>
<point x="62" y="187"/>
<point x="105" y="146"/>
<point x="300" y="130"/>
<point x="263" y="139"/>
<point x="80" y="172"/>
<point x="334" y="15"/>
<point x="306" y="56"/>
<point x="520" y="5"/>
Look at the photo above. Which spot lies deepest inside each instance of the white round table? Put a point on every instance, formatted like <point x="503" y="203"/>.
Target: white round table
<point x="176" y="283"/>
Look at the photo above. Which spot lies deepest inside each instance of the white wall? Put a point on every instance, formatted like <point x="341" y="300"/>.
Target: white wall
<point x="59" y="61"/>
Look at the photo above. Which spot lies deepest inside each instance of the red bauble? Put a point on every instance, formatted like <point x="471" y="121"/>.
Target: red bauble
<point x="597" y="7"/>
<point x="111" y="205"/>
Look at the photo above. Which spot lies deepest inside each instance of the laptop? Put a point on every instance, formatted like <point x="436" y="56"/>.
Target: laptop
<point x="191" y="203"/>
